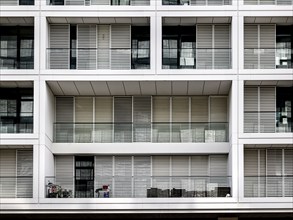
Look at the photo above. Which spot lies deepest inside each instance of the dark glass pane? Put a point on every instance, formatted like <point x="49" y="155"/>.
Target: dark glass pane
<point x="26" y="2"/>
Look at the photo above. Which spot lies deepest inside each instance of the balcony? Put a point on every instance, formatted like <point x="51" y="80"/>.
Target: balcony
<point x="16" y="2"/>
<point x="131" y="132"/>
<point x="268" y="2"/>
<point x="268" y="186"/>
<point x="10" y="59"/>
<point x="267" y="122"/>
<point x="16" y="186"/>
<point x="197" y="2"/>
<point x="97" y="2"/>
<point x="268" y="58"/>
<point x="197" y="58"/>
<point x="139" y="187"/>
<point x="98" y="58"/>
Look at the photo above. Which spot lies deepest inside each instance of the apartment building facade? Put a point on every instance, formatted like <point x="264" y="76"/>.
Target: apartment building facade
<point x="143" y="106"/>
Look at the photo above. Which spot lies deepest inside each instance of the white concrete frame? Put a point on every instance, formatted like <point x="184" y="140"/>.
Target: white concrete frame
<point x="42" y="137"/>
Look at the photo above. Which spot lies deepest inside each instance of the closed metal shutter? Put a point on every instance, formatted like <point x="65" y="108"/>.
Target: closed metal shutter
<point x="218" y="111"/>
<point x="198" y="2"/>
<point x="123" y="177"/>
<point x="199" y="117"/>
<point x="274" y="173"/>
<point x="251" y="121"/>
<point x="7" y="173"/>
<point x="103" y="118"/>
<point x="180" y="119"/>
<point x="142" y="173"/>
<point x="251" y="173"/>
<point x="222" y="56"/>
<point x="288" y="172"/>
<point x="64" y="168"/>
<point x="266" y="2"/>
<point x="83" y="119"/>
<point x="64" y="114"/>
<point x="100" y="2"/>
<point x="251" y="47"/>
<point x="59" y="47"/>
<point x="24" y="173"/>
<point x="74" y="2"/>
<point x="268" y="43"/>
<point x="204" y="58"/>
<point x="87" y="44"/>
<point x="8" y="2"/>
<point x="123" y="119"/>
<point x="103" y="34"/>
<point x="104" y="172"/>
<point x="284" y="2"/>
<point x="142" y="118"/>
<point x="267" y="109"/>
<point x="140" y="2"/>
<point x="251" y="2"/>
<point x="161" y="119"/>
<point x="120" y="44"/>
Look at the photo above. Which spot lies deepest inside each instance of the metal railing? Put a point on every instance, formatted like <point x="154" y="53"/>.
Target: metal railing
<point x="197" y="58"/>
<point x="15" y="58"/>
<point x="16" y="2"/>
<point x="141" y="132"/>
<point x="197" y="2"/>
<point x="268" y="2"/>
<point x="139" y="187"/>
<point x="98" y="58"/>
<point x="16" y="186"/>
<point x="97" y="2"/>
<point x="268" y="58"/>
<point x="268" y="186"/>
<point x="267" y="122"/>
<point x="16" y="128"/>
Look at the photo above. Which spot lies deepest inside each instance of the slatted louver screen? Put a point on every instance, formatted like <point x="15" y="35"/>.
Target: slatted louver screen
<point x="218" y="117"/>
<point x="199" y="117"/>
<point x="100" y="2"/>
<point x="87" y="44"/>
<point x="198" y="2"/>
<point x="24" y="173"/>
<point x="267" y="109"/>
<point x="218" y="170"/>
<point x="180" y="172"/>
<point x="123" y="119"/>
<point x="59" y="47"/>
<point x="288" y="172"/>
<point x="161" y="119"/>
<point x="120" y="44"/>
<point x="215" y="2"/>
<point x="251" y="173"/>
<point x="7" y="173"/>
<point x="142" y="173"/>
<point x="251" y="119"/>
<point x="250" y="2"/>
<point x="8" y="2"/>
<point x="83" y="119"/>
<point x="123" y="177"/>
<point x="103" y="118"/>
<point x="142" y="118"/>
<point x="74" y="2"/>
<point x="262" y="172"/>
<point x="251" y="57"/>
<point x="180" y="119"/>
<point x="204" y="52"/>
<point x="267" y="44"/>
<point x="64" y="119"/>
<point x="274" y="173"/>
<point x="199" y="172"/>
<point x="104" y="172"/>
<point x="222" y="56"/>
<point x="140" y="2"/>
<point x="64" y="166"/>
<point x="103" y="58"/>
<point x="161" y="171"/>
<point x="284" y="2"/>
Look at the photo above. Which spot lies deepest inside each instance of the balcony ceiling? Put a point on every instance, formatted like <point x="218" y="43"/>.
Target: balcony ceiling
<point x="268" y="20"/>
<point x="189" y="21"/>
<point x="268" y="145"/>
<point x="278" y="83"/>
<point x="99" y="20"/>
<point x="17" y="21"/>
<point x="16" y="84"/>
<point x="108" y="88"/>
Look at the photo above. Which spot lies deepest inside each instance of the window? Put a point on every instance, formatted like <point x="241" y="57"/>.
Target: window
<point x="284" y="109"/>
<point x="16" y="110"/>
<point x="284" y="45"/>
<point x="179" y="44"/>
